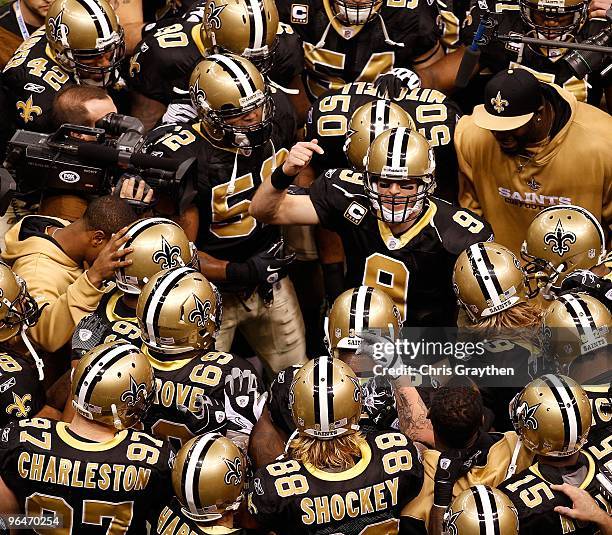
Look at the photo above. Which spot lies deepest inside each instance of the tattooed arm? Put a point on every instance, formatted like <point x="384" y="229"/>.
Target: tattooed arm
<point x="131" y="17"/>
<point x="412" y="413"/>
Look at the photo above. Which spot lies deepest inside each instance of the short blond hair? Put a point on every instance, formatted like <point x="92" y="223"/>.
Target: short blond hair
<point x="335" y="454"/>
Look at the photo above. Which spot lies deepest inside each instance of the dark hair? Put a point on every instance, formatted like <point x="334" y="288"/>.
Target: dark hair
<point x="108" y="214"/>
<point x="69" y="104"/>
<point x="456" y="414"/>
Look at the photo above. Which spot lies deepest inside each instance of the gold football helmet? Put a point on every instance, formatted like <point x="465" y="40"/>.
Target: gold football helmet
<point x="179" y="311"/>
<point x="208" y="477"/>
<point x="575" y="325"/>
<point x="325" y="399"/>
<point x="242" y="27"/>
<point x="488" y="279"/>
<point x="158" y="244"/>
<point x="481" y="509"/>
<point x="399" y="155"/>
<point x="369" y="121"/>
<point x="113" y="384"/>
<point x="552" y="415"/>
<point x="86" y="39"/>
<point x="357" y="310"/>
<point x="225" y="87"/>
<point x="560" y="240"/>
<point x="17" y="308"/>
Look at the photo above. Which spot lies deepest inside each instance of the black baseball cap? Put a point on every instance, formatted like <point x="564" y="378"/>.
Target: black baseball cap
<point x="511" y="99"/>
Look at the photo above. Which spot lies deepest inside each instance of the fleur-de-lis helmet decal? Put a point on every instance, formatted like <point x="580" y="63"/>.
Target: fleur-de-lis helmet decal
<point x="233" y="476"/>
<point x="200" y="313"/>
<point x="168" y="256"/>
<point x="58" y="29"/>
<point x="559" y="240"/>
<point x="136" y="393"/>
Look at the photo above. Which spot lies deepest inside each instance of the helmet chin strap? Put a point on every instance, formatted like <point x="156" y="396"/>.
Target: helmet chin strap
<point x="116" y="421"/>
<point x="37" y="360"/>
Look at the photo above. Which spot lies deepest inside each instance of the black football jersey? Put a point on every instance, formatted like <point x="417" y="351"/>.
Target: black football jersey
<point x="112" y="320"/>
<point x="335" y="55"/>
<point x="21" y="393"/>
<point x="278" y="399"/>
<point x="172" y="521"/>
<point x="599" y="443"/>
<point x="203" y="394"/>
<point x="163" y="62"/>
<point x="32" y="79"/>
<point x="434" y="115"/>
<point x="288" y="497"/>
<point x="97" y="487"/>
<point x="415" y="269"/>
<point x="498" y="56"/>
<point x="227" y="231"/>
<point x="535" y="501"/>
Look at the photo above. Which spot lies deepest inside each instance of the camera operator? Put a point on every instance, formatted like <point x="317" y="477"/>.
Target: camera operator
<point x="84" y="106"/>
<point x="66" y="264"/>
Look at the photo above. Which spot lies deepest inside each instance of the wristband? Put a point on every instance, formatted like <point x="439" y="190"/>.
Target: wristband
<point x="280" y="180"/>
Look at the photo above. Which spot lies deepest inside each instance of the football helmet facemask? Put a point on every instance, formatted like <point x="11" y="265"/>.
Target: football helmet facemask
<point x="358" y="310"/>
<point x="113" y="384"/>
<point x="557" y="20"/>
<point x="226" y="87"/>
<point x="552" y="415"/>
<point x="368" y="122"/>
<point x="560" y="240"/>
<point x="18" y="309"/>
<point x="179" y="311"/>
<point x="575" y="325"/>
<point x="325" y="399"/>
<point x="488" y="279"/>
<point x="208" y="477"/>
<point x="247" y="29"/>
<point x="404" y="157"/>
<point x="354" y="12"/>
<point x="481" y="509"/>
<point x="158" y="244"/>
<point x="86" y="39"/>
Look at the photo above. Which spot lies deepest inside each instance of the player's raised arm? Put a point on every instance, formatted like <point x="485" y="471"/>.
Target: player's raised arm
<point x="271" y="204"/>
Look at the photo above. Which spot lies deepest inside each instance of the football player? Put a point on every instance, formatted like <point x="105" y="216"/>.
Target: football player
<point x="21" y="389"/>
<point x="356" y="40"/>
<point x="553" y="415"/>
<point x="333" y="478"/>
<point x="559" y="240"/>
<point x="396" y="236"/>
<point x="179" y="313"/>
<point x="239" y="140"/>
<point x="565" y="21"/>
<point x="339" y="116"/>
<point x="162" y="64"/>
<point x="481" y="510"/>
<point x="493" y="292"/>
<point x="597" y="281"/>
<point x="82" y="42"/>
<point x="208" y="479"/>
<point x="95" y="471"/>
<point x="465" y="456"/>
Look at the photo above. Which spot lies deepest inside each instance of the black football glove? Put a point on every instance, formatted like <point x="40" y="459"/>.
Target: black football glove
<point x="583" y="280"/>
<point x="266" y="267"/>
<point x="390" y="84"/>
<point x="452" y="464"/>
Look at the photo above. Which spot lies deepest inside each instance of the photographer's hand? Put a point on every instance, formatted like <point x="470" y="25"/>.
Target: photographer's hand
<point x="142" y="193"/>
<point x="110" y="259"/>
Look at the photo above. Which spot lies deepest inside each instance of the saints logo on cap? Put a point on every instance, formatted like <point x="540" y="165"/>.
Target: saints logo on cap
<point x="499" y="104"/>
